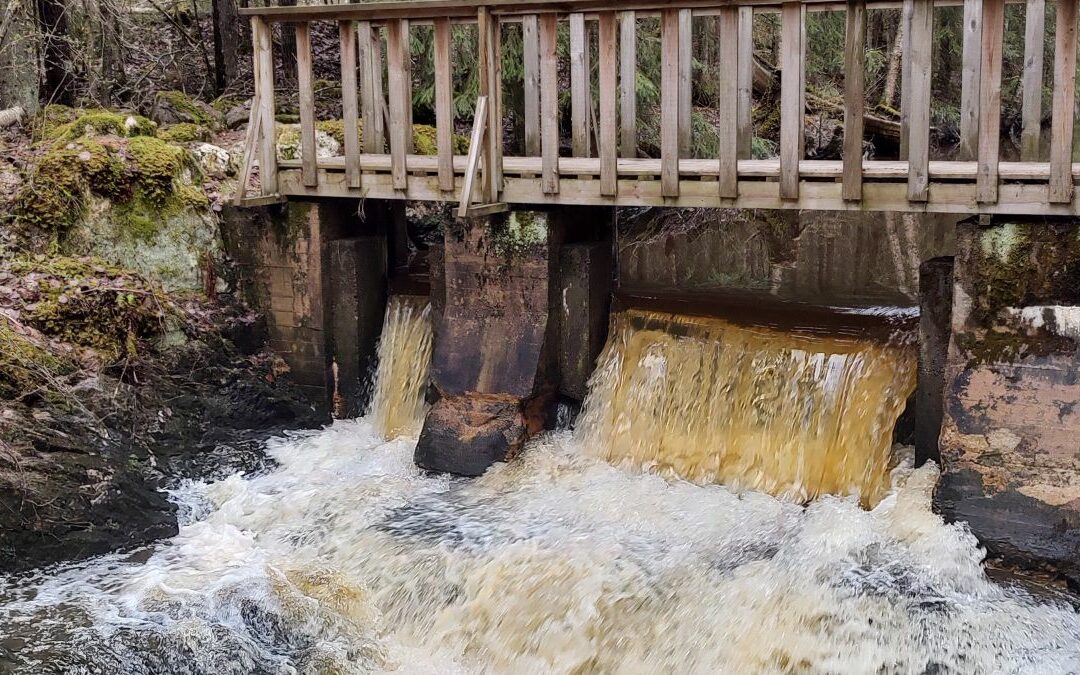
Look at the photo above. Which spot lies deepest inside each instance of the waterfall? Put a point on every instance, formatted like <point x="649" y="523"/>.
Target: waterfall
<point x="397" y="407"/>
<point x="794" y="414"/>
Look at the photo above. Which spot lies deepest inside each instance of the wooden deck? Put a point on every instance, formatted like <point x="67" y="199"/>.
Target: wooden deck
<point x="602" y="167"/>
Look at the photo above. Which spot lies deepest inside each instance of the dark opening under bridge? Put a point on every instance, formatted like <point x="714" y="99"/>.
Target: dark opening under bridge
<point x="603" y="169"/>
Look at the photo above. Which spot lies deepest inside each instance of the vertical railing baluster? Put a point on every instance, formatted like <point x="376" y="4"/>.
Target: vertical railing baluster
<point x="396" y="41"/>
<point x="530" y="39"/>
<point x="580" y="88"/>
<point x="264" y="62"/>
<point x="627" y="84"/>
<point x="918" y="110"/>
<point x="549" y="103"/>
<point x="1061" y="129"/>
<point x="791" y="98"/>
<point x="686" y="70"/>
<point x="1031" y="111"/>
<point x="406" y="80"/>
<point x="986" y="181"/>
<point x="727" y="129"/>
<point x="444" y="104"/>
<point x="907" y="8"/>
<point x="488" y="69"/>
<point x="854" y="98"/>
<point x="308" y="160"/>
<point x="746" y="81"/>
<point x="349" y="102"/>
<point x="970" y="80"/>
<point x="609" y="75"/>
<point x="669" y="103"/>
<point x="369" y="52"/>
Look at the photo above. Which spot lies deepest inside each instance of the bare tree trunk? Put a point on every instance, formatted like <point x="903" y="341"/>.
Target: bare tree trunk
<point x="112" y="78"/>
<point x="18" y="57"/>
<point x="892" y="75"/>
<point x="226" y="43"/>
<point x="56" y="78"/>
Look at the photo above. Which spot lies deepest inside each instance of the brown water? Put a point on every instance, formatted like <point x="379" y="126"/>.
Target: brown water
<point x="797" y="415"/>
<point x="348" y="559"/>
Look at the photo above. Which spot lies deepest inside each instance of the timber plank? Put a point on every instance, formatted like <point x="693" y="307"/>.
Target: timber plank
<point x="918" y="109"/>
<point x="990" y="101"/>
<point x="728" y="111"/>
<point x="549" y="103"/>
<point x="627" y="84"/>
<point x="791" y="98"/>
<point x="609" y="75"/>
<point x="854" y="97"/>
<point x="399" y="132"/>
<point x="1031" y="105"/>
<point x="349" y="102"/>
<point x="970" y="80"/>
<point x="531" y="72"/>
<point x="444" y="104"/>
<point x="1064" y="106"/>
<point x="580" y="89"/>
<point x="669" y="103"/>
<point x="746" y="81"/>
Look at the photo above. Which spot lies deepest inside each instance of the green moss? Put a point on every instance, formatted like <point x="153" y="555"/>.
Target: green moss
<point x="288" y="142"/>
<point x="518" y="232"/>
<point x="27" y="367"/>
<point x="287" y="118"/>
<point x="224" y="104"/>
<point x="187" y="107"/>
<point x="52" y="116"/>
<point x="426" y="142"/>
<point x="185" y="132"/>
<point x="100" y="123"/>
<point x="156" y="164"/>
<point x="90" y="303"/>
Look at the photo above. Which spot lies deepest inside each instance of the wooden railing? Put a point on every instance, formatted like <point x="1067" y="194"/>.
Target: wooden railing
<point x="602" y="166"/>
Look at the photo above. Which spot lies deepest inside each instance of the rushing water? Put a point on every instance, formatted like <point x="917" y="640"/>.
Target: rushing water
<point x="345" y="558"/>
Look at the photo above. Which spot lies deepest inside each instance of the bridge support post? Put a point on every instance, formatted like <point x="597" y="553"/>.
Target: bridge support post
<point x="1011" y="419"/>
<point x="493" y="363"/>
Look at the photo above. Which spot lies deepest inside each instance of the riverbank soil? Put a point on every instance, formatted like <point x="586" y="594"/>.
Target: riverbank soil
<point x="1008" y="442"/>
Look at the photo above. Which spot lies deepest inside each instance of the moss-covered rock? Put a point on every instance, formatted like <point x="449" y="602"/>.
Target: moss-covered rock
<point x="156" y="163"/>
<point x="176" y="107"/>
<point x="28" y="367"/>
<point x="184" y="132"/>
<point x="100" y="123"/>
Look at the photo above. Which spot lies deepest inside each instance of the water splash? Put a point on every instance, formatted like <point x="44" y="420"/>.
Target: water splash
<point x="397" y="407"/>
<point x="795" y="415"/>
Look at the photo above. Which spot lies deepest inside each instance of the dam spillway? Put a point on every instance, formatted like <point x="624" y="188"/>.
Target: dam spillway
<point x="794" y="414"/>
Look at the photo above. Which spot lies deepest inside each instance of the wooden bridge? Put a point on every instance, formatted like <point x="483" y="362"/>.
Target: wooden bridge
<point x="602" y="167"/>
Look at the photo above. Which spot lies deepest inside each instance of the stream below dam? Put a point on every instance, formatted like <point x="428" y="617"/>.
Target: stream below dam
<point x="345" y="558"/>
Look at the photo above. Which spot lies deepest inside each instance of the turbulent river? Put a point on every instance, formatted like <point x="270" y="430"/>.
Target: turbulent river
<point x="345" y="558"/>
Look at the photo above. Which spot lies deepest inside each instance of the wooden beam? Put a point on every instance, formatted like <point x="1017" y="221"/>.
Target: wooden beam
<point x="306" y="99"/>
<point x="531" y="66"/>
<point x="990" y="101"/>
<point x="251" y="140"/>
<point x="444" y="104"/>
<point x="686" y="74"/>
<point x="627" y="84"/>
<point x="549" y="103"/>
<point x="970" y="79"/>
<point x="350" y="115"/>
<point x="791" y="98"/>
<point x="669" y="103"/>
<point x="264" y="64"/>
<point x="854" y="97"/>
<point x="746" y="81"/>
<point x="918" y="110"/>
<point x="1061" y="128"/>
<point x="1031" y="111"/>
<point x="609" y="74"/>
<point x="396" y="41"/>
<point x="580" y="88"/>
<point x="728" y="99"/>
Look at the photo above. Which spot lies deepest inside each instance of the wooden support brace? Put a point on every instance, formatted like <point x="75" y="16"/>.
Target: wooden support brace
<point x="476" y="151"/>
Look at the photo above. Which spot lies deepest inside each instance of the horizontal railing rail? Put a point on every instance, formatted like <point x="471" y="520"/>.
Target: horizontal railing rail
<point x="600" y="165"/>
